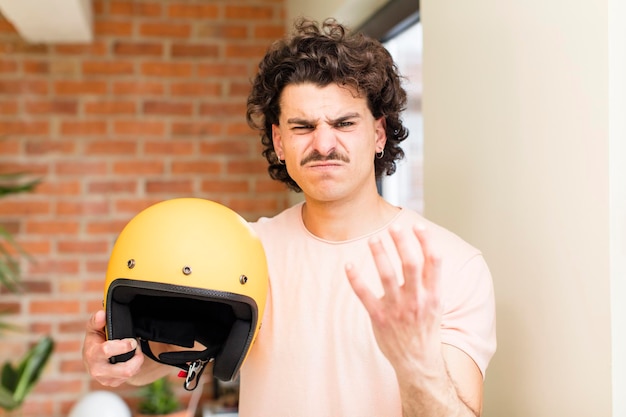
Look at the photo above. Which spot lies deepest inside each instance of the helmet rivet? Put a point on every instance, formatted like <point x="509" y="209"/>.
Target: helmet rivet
<point x="243" y="279"/>
<point x="130" y="264"/>
<point x="187" y="270"/>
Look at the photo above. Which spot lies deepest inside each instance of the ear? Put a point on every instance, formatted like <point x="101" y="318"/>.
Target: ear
<point x="380" y="125"/>
<point x="278" y="142"/>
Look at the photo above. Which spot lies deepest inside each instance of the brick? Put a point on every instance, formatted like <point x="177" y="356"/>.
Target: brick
<point x="225" y="186"/>
<point x="52" y="227"/>
<point x="245" y="51"/>
<point x="51" y="386"/>
<point x="173" y="148"/>
<point x="32" y="168"/>
<point x="165" y="30"/>
<point x="36" y="247"/>
<point x="99" y="267"/>
<point x="134" y="205"/>
<point x="7" y="66"/>
<point x="105" y="227"/>
<point x="80" y="87"/>
<point x="8" y="146"/>
<point x="52" y="106"/>
<point x="52" y="266"/>
<point x="82" y="247"/>
<point x="36" y="67"/>
<point x="269" y="32"/>
<point x="23" y="208"/>
<point x="196" y="128"/>
<point x="135" y="49"/>
<point x="225" y="147"/>
<point x="166" y="69"/>
<point x="246" y="166"/>
<point x="95" y="127"/>
<point x="10" y="308"/>
<point x="239" y="89"/>
<point x="148" y="128"/>
<point x="138" y="88"/>
<point x="184" y="50"/>
<point x="37" y="407"/>
<point x="174" y="187"/>
<point x="111" y="147"/>
<point x="82" y="208"/>
<point x="75" y="366"/>
<point x="80" y="168"/>
<point x="223" y="31"/>
<point x="139" y="167"/>
<point x="259" y="13"/>
<point x="241" y="129"/>
<point x="112" y="28"/>
<point x="223" y="109"/>
<point x="8" y="108"/>
<point x="196" y="167"/>
<point x="253" y="204"/>
<point x="196" y="89"/>
<point x="54" y="307"/>
<point x="44" y="147"/>
<point x="168" y="108"/>
<point x="108" y="68"/>
<point x="193" y="11"/>
<point x="110" y="107"/>
<point x="29" y="128"/>
<point x="95" y="48"/>
<point x="223" y="70"/>
<point x="37" y="287"/>
<point x="20" y="46"/>
<point x="112" y="187"/>
<point x="73" y="326"/>
<point x="64" y="346"/>
<point x="269" y="186"/>
<point x="22" y="87"/>
<point x="135" y="9"/>
<point x="58" y="188"/>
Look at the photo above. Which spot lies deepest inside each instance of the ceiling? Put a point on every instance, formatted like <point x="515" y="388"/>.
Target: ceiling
<point x="50" y="21"/>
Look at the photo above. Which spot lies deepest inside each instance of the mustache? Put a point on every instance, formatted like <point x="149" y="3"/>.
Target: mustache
<point x="316" y="156"/>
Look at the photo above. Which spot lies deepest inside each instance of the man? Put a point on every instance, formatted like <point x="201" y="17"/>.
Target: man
<point x="373" y="310"/>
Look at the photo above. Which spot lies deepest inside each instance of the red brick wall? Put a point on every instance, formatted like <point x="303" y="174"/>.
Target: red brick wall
<point x="153" y="109"/>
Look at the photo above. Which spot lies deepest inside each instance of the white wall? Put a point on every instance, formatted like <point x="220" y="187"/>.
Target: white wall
<point x="517" y="140"/>
<point x="350" y="12"/>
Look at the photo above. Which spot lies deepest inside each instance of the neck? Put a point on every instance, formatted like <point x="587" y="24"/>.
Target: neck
<point x="338" y="221"/>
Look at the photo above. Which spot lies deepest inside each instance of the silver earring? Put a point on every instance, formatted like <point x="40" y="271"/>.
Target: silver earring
<point x="380" y="154"/>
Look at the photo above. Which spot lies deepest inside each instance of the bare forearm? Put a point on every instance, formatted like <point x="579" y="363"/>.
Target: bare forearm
<point x="433" y="397"/>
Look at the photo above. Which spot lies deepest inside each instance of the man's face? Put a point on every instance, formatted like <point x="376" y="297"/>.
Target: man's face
<point x="328" y="138"/>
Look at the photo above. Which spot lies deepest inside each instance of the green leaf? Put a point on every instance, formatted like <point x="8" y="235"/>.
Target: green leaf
<point x="19" y="381"/>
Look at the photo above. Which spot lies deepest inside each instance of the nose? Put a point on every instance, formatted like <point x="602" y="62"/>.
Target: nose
<point x="324" y="139"/>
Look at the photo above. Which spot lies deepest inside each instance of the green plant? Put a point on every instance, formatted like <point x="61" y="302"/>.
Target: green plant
<point x="158" y="398"/>
<point x="17" y="382"/>
<point x="9" y="265"/>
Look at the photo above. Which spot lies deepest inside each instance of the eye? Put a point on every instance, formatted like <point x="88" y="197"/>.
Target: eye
<point x="302" y="128"/>
<point x="344" y="124"/>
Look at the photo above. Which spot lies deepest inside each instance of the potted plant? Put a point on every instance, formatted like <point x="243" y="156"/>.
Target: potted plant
<point x="17" y="381"/>
<point x="159" y="399"/>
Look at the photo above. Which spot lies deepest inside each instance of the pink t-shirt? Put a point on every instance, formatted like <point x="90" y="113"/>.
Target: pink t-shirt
<point x="316" y="354"/>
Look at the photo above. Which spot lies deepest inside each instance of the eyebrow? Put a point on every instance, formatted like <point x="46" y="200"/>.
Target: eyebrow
<point x="302" y="121"/>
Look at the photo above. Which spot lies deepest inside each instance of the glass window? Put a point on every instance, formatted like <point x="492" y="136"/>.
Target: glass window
<point x="405" y="187"/>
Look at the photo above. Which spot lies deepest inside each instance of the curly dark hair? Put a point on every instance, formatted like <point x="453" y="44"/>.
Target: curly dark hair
<point x="328" y="54"/>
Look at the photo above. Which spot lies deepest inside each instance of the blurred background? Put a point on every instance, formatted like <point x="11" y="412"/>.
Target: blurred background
<point x="518" y="144"/>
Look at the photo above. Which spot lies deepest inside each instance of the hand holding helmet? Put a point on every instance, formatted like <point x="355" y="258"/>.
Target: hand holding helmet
<point x="185" y="272"/>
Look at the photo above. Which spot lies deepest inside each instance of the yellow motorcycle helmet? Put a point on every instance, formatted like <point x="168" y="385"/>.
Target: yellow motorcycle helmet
<point x="188" y="272"/>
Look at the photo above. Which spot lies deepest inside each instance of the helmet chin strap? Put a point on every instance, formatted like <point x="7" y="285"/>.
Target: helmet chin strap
<point x="192" y="362"/>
